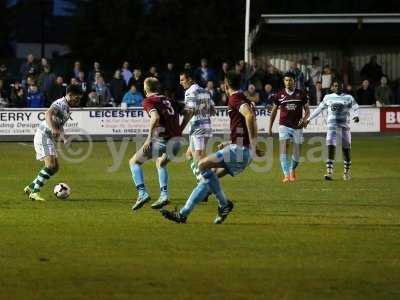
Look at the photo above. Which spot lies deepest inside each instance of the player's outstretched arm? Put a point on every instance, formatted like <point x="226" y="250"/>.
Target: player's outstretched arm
<point x="274" y="111"/>
<point x="322" y="106"/>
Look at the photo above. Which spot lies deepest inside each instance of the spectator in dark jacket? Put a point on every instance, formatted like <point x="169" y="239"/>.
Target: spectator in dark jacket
<point x="57" y="91"/>
<point x="92" y="74"/>
<point x="84" y="87"/>
<point x="266" y="96"/>
<point x="256" y="76"/>
<point x="77" y="68"/>
<point x="46" y="80"/>
<point x="18" y="95"/>
<point x="383" y="93"/>
<point x="213" y="92"/>
<point x="365" y="94"/>
<point x="222" y="73"/>
<point x="4" y="95"/>
<point x="372" y="71"/>
<point x="204" y="73"/>
<point x="137" y="79"/>
<point x="28" y="67"/>
<point x="35" y="98"/>
<point x="169" y="78"/>
<point x="117" y="87"/>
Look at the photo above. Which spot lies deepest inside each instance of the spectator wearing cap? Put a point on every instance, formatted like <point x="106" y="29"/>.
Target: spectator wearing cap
<point x="365" y="94"/>
<point x="133" y="98"/>
<point x="372" y="71"/>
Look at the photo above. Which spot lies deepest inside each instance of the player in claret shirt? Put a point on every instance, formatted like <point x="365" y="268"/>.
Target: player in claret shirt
<point x="291" y="103"/>
<point x="232" y="158"/>
<point x="164" y="131"/>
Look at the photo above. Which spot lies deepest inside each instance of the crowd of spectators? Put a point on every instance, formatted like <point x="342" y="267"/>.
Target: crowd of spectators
<point x="39" y="86"/>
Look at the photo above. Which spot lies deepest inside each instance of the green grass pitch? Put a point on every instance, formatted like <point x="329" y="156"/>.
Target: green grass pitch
<point x="307" y="240"/>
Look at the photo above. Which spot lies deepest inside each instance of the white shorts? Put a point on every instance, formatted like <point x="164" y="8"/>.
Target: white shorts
<point x="294" y="135"/>
<point x="198" y="143"/>
<point x="44" y="145"/>
<point x="344" y="135"/>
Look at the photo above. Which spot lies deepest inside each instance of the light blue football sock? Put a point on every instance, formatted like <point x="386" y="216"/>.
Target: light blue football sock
<point x="199" y="193"/>
<point x="163" y="180"/>
<point x="285" y="164"/>
<point x="138" y="179"/>
<point x="295" y="164"/>
<point x="215" y="187"/>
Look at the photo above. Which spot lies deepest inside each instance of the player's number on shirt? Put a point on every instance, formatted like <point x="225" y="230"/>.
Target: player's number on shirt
<point x="170" y="109"/>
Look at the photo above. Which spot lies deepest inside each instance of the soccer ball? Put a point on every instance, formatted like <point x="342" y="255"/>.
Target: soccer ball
<point x="62" y="191"/>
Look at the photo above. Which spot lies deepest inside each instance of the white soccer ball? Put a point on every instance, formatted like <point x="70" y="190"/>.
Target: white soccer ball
<point x="62" y="191"/>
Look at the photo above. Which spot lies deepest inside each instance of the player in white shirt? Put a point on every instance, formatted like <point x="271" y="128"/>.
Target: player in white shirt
<point x="200" y="107"/>
<point x="339" y="106"/>
<point x="45" y="139"/>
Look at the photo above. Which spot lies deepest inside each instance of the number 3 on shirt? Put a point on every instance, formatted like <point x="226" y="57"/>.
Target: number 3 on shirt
<point x="170" y="109"/>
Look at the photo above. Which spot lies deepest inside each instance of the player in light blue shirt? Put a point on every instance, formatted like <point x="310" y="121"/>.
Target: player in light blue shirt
<point x="339" y="105"/>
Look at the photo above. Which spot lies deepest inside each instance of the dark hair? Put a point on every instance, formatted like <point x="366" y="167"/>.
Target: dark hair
<point x="336" y="81"/>
<point x="188" y="74"/>
<point x="233" y="80"/>
<point x="290" y="75"/>
<point x="74" y="89"/>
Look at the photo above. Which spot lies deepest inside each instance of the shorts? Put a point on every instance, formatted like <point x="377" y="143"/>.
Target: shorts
<point x="44" y="145"/>
<point x="234" y="158"/>
<point x="294" y="135"/>
<point x="344" y="133"/>
<point x="198" y="142"/>
<point x="160" y="147"/>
